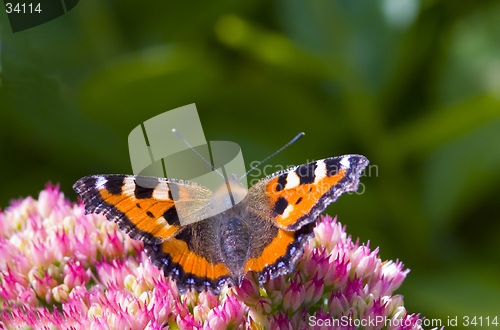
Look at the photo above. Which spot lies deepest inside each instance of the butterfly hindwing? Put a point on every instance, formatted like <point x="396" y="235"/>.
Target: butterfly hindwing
<point x="144" y="207"/>
<point x="276" y="252"/>
<point x="192" y="259"/>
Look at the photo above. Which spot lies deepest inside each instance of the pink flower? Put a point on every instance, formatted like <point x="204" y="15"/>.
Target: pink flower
<point x="264" y="306"/>
<point x="207" y="299"/>
<point x="320" y="321"/>
<point x="329" y="233"/>
<point x="338" y="304"/>
<point x="27" y="297"/>
<point x="42" y="283"/>
<point x="189" y="323"/>
<point x="41" y="254"/>
<point x="375" y="312"/>
<point x="364" y="262"/>
<point x="62" y="244"/>
<point x="294" y="296"/>
<point x="313" y="291"/>
<point x="316" y="264"/>
<point x="277" y="284"/>
<point x="52" y="253"/>
<point x="113" y="272"/>
<point x="353" y="289"/>
<point x="112" y="244"/>
<point x="280" y="322"/>
<point x="394" y="273"/>
<point x="229" y="315"/>
<point x="338" y="274"/>
<point x="248" y="291"/>
<point x="12" y="284"/>
<point x="75" y="275"/>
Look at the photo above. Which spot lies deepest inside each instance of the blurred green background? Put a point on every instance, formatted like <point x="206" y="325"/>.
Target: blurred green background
<point x="414" y="85"/>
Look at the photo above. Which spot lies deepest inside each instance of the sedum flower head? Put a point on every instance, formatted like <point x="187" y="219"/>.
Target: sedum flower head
<point x="62" y="269"/>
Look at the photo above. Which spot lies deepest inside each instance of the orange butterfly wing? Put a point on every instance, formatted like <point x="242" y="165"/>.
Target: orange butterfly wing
<point x="291" y="201"/>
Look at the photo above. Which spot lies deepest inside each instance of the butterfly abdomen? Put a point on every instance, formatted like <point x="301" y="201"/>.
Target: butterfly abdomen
<point x="234" y="242"/>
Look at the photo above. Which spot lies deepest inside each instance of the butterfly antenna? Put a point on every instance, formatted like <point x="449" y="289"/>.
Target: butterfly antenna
<point x="277" y="152"/>
<point x="206" y="161"/>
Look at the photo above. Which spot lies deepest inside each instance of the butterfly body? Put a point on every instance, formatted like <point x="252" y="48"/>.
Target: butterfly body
<point x="201" y="247"/>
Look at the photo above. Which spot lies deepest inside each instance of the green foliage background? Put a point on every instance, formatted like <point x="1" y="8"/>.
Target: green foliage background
<point x="412" y="84"/>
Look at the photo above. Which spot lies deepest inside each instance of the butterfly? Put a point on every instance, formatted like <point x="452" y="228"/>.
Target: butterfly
<point x="265" y="232"/>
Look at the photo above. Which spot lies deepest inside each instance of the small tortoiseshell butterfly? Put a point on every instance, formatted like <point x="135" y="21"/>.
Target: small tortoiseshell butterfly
<point x="266" y="232"/>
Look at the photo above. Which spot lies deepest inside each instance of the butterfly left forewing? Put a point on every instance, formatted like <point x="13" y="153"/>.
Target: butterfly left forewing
<point x="144" y="207"/>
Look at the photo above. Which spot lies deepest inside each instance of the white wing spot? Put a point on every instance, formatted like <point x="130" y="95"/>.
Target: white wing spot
<point x="160" y="221"/>
<point x="288" y="209"/>
<point x="161" y="191"/>
<point x="129" y="186"/>
<point x="101" y="181"/>
<point x="320" y="171"/>
<point x="292" y="180"/>
<point x="345" y="162"/>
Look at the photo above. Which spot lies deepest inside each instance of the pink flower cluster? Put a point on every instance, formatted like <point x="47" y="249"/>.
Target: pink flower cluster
<point x="60" y="268"/>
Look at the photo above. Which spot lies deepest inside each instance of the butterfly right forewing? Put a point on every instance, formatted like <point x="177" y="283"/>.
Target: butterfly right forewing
<point x="144" y="207"/>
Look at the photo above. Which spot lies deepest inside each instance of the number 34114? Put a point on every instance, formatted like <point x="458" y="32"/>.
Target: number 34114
<point x="23" y="8"/>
